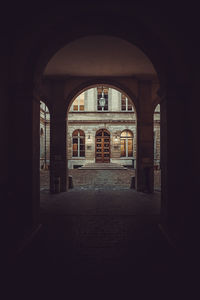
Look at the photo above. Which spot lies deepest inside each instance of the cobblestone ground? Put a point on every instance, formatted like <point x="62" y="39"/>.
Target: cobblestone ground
<point x="101" y="244"/>
<point x="100" y="179"/>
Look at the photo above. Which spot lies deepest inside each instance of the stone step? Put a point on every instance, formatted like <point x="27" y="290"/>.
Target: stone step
<point x="102" y="166"/>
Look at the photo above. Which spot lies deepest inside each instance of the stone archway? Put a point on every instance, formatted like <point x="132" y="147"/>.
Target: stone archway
<point x="41" y="54"/>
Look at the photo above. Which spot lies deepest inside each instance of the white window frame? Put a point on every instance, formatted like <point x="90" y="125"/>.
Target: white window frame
<point x="126" y="104"/>
<point x="127" y="138"/>
<point x="78" y="99"/>
<point x="78" y="137"/>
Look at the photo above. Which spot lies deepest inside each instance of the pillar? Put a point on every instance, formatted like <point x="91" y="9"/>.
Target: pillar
<point x="58" y="161"/>
<point x="145" y="158"/>
<point x="24" y="175"/>
<point x="175" y="161"/>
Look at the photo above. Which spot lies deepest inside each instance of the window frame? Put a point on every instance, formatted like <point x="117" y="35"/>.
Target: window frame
<point x="127" y="104"/>
<point x="126" y="138"/>
<point x="79" y="137"/>
<point x="78" y="100"/>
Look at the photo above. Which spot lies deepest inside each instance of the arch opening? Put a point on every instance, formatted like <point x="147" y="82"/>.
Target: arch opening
<point x="103" y="127"/>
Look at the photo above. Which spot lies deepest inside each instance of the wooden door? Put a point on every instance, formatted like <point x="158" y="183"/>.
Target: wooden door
<point x="102" y="146"/>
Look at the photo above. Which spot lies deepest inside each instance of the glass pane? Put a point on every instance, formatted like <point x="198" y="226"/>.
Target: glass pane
<point x="106" y="105"/>
<point x="82" y="153"/>
<point x="75" y="133"/>
<point x="123" y="147"/>
<point x="130" y="147"/>
<point x="81" y="107"/>
<point x="123" y="133"/>
<point x="99" y="133"/>
<point x="130" y="105"/>
<point x="129" y="133"/>
<point x="75" y="141"/>
<point x="81" y="98"/>
<point x="81" y="132"/>
<point x="123" y="102"/>
<point x="75" y="153"/>
<point x="75" y="107"/>
<point x="106" y="133"/>
<point x="82" y="147"/>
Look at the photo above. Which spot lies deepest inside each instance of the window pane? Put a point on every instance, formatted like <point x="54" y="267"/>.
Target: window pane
<point x="123" y="102"/>
<point x="75" y="133"/>
<point x="81" y="102"/>
<point x="75" y="104"/>
<point x="130" y="105"/>
<point x="130" y="147"/>
<point x="106" y="133"/>
<point x="99" y="133"/>
<point x="82" y="141"/>
<point x="75" y="149"/>
<point x="82" y="147"/>
<point x="123" y="133"/>
<point x="75" y="153"/>
<point x="82" y="153"/>
<point x="75" y="141"/>
<point x="81" y="132"/>
<point x="123" y="147"/>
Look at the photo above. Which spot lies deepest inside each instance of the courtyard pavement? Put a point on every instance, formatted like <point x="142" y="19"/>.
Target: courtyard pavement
<point x="100" y="244"/>
<point x="100" y="179"/>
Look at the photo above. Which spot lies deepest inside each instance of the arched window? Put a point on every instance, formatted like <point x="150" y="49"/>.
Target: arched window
<point x="78" y="104"/>
<point x="126" y="104"/>
<point x="78" y="141"/>
<point x="126" y="143"/>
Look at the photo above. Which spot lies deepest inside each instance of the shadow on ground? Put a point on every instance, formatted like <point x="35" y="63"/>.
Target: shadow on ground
<point x="100" y="244"/>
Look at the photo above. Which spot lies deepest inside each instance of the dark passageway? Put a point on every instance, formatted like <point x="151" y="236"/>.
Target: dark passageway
<point x="107" y="244"/>
<point x="101" y="244"/>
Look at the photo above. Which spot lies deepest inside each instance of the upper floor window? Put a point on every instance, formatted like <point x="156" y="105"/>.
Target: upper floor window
<point x="78" y="104"/>
<point x="78" y="141"/>
<point x="126" y="139"/>
<point x="102" y="91"/>
<point x="126" y="104"/>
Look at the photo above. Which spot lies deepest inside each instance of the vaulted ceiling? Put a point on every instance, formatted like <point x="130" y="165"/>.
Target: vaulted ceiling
<point x="100" y="56"/>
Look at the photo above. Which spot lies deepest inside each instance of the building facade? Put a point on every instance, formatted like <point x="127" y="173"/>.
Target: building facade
<point x="99" y="133"/>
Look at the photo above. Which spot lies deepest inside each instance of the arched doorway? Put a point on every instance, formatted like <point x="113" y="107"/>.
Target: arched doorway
<point x="102" y="146"/>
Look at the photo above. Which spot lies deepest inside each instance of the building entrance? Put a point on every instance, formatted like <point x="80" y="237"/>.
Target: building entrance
<point x="102" y="146"/>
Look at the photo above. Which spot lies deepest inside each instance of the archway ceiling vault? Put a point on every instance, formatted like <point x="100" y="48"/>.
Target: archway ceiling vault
<point x="100" y="56"/>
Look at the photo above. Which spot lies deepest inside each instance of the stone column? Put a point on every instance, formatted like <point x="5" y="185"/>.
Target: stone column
<point x="25" y="174"/>
<point x="175" y="149"/>
<point x="144" y="166"/>
<point x="58" y="147"/>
